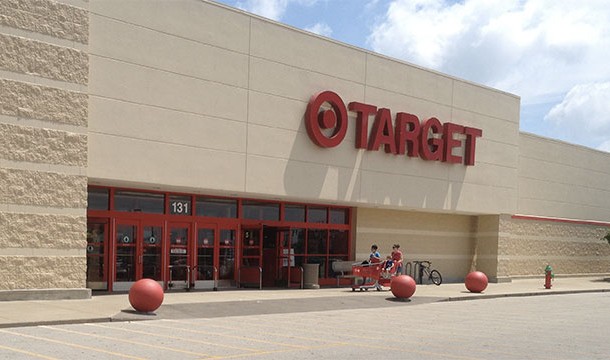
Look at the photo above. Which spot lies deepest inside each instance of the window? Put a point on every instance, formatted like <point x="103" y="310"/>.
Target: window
<point x="256" y="210"/>
<point x="338" y="242"/>
<point x="297" y="240"/>
<point x="294" y="213"/>
<point x="339" y="216"/>
<point x="221" y="208"/>
<point x="316" y="215"/>
<point x="316" y="241"/>
<point x="97" y="199"/>
<point x="132" y="201"/>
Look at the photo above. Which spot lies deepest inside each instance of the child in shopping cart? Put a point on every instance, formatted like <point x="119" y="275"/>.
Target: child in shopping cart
<point x="388" y="264"/>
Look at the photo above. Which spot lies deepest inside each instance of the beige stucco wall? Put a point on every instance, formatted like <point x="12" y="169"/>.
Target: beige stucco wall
<point x="192" y="96"/>
<point x="43" y="152"/>
<point x="558" y="179"/>
<point x="485" y="251"/>
<point x="448" y="241"/>
<point x="225" y="92"/>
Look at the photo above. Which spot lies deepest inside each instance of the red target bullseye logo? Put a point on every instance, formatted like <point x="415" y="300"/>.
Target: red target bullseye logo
<point x="332" y="121"/>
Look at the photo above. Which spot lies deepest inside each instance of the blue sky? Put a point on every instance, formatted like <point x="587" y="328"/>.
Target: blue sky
<point x="553" y="54"/>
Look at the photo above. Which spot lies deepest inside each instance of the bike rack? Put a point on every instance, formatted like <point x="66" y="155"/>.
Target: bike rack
<point x="415" y="271"/>
<point x="187" y="281"/>
<point x="214" y="274"/>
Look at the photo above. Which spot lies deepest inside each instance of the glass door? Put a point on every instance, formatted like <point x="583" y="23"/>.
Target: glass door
<point x="126" y="237"/>
<point x="152" y="250"/>
<point x="205" y="271"/>
<point x="97" y="254"/>
<point x="250" y="271"/>
<point x="286" y="260"/>
<point x="226" y="256"/>
<point x="179" y="265"/>
<point x="138" y="250"/>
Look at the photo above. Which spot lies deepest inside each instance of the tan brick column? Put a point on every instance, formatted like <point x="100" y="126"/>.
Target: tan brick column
<point x="44" y="69"/>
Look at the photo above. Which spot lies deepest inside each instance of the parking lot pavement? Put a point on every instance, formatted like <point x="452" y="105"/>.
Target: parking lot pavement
<point x="567" y="326"/>
<point x="116" y="307"/>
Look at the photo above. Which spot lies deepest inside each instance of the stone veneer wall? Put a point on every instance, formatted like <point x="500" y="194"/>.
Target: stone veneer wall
<point x="44" y="66"/>
<point x="526" y="246"/>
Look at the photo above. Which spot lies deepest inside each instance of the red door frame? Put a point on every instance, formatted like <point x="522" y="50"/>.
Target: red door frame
<point x="105" y="222"/>
<point x="214" y="245"/>
<point x="138" y="246"/>
<point x="190" y="246"/>
<point x="162" y="244"/>
<point x="195" y="221"/>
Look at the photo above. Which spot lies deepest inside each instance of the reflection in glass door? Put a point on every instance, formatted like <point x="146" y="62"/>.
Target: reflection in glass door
<point x="179" y="263"/>
<point x="226" y="258"/>
<point x="125" y="271"/>
<point x="151" y="252"/>
<point x="205" y="272"/>
<point x="97" y="276"/>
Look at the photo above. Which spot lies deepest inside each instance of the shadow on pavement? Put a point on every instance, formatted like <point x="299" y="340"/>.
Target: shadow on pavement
<point x="259" y="307"/>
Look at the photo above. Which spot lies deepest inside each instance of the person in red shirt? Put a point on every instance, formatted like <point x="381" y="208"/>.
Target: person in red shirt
<point x="397" y="257"/>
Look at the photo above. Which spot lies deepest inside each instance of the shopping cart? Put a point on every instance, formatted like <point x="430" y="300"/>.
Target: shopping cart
<point x="374" y="275"/>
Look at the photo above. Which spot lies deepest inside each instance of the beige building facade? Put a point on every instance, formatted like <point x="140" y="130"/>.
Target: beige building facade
<point x="190" y="98"/>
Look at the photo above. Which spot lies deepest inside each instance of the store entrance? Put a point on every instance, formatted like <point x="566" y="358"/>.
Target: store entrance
<point x="138" y="252"/>
<point x="261" y="259"/>
<point x="279" y="263"/>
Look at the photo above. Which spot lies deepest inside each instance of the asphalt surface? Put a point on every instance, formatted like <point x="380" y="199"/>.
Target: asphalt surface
<point x="202" y="304"/>
<point x="518" y="320"/>
<point x="565" y="326"/>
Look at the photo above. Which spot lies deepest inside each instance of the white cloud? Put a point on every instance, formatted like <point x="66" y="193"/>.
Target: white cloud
<point x="533" y="48"/>
<point x="583" y="115"/>
<point x="605" y="146"/>
<point x="272" y="9"/>
<point x="320" y="29"/>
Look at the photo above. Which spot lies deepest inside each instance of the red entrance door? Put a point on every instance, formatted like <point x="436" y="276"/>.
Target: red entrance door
<point x="180" y="256"/>
<point x="97" y="254"/>
<point x="138" y="250"/>
<point x="205" y="269"/>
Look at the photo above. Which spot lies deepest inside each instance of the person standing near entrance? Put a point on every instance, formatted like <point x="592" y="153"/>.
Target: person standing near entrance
<point x="397" y="257"/>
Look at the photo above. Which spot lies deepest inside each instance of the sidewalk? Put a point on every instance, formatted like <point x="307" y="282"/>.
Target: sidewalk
<point x="104" y="308"/>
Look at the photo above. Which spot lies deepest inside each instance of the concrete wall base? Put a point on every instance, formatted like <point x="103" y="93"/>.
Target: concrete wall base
<point x="500" y="279"/>
<point x="45" y="294"/>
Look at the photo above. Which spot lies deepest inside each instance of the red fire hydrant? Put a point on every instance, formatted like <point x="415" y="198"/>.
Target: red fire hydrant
<point x="548" y="276"/>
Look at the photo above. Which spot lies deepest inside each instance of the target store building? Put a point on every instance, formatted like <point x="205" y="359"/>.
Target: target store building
<point x="205" y="147"/>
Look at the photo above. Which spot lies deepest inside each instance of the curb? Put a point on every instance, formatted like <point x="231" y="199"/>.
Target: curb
<point x="55" y="322"/>
<point x="497" y="296"/>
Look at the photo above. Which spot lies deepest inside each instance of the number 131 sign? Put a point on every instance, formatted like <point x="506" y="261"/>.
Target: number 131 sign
<point x="180" y="207"/>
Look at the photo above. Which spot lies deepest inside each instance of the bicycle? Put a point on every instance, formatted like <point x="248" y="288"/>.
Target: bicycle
<point x="432" y="275"/>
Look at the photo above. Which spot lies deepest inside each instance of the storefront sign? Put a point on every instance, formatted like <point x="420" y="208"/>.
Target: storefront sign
<point x="429" y="140"/>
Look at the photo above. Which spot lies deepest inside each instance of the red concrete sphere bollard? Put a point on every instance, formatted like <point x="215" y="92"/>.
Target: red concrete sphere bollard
<point x="402" y="286"/>
<point x="476" y="282"/>
<point x="146" y="295"/>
